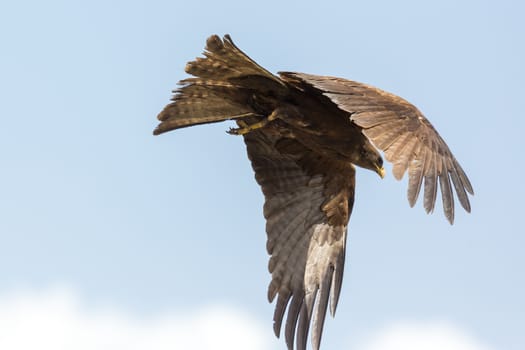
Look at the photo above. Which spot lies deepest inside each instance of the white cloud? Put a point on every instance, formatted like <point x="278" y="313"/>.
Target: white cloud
<point x="422" y="335"/>
<point x="56" y="319"/>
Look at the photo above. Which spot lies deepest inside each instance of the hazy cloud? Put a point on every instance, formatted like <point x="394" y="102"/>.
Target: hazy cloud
<point x="57" y="319"/>
<point x="422" y="335"/>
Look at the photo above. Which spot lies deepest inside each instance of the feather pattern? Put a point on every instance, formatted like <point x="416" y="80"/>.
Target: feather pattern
<point x="307" y="251"/>
<point x="224" y="83"/>
<point x="408" y="139"/>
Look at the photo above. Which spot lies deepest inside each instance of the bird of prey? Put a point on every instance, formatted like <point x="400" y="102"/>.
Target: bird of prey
<point x="304" y="135"/>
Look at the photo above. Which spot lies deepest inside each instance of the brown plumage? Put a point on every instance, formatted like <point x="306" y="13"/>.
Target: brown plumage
<point x="304" y="134"/>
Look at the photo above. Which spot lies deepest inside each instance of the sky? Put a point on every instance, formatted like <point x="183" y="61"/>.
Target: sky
<point x="111" y="238"/>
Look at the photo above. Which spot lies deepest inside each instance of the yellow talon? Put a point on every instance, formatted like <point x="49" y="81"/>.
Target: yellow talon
<point x="245" y="128"/>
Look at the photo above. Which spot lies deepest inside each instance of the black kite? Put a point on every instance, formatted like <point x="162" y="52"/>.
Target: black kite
<point x="304" y="133"/>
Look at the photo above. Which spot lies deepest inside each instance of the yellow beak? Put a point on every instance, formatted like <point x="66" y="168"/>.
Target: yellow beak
<point x="381" y="172"/>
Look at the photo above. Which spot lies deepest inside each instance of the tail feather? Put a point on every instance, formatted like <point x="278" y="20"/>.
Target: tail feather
<point x="203" y="102"/>
<point x="225" y="81"/>
<point x="224" y="61"/>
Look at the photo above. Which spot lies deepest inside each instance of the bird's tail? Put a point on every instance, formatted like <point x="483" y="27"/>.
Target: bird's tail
<point x="224" y="83"/>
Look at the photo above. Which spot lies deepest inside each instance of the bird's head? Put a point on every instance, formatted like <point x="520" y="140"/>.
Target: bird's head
<point x="369" y="158"/>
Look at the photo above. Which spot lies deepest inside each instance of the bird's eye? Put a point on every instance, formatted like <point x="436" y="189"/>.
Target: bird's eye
<point x="380" y="161"/>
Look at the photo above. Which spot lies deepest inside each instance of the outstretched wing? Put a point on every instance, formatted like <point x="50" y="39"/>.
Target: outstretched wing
<point x="408" y="139"/>
<point x="308" y="203"/>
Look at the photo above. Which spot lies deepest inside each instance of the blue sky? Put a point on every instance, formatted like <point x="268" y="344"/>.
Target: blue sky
<point x="93" y="204"/>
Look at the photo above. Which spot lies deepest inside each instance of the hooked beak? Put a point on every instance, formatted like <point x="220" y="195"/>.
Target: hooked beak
<point x="381" y="171"/>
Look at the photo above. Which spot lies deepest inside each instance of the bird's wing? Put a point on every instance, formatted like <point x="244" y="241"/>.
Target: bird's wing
<point x="407" y="138"/>
<point x="308" y="203"/>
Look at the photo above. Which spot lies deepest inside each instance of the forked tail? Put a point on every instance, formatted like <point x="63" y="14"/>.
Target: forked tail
<point x="224" y="84"/>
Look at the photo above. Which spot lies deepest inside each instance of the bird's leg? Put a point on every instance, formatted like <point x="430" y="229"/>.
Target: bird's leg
<point x="246" y="128"/>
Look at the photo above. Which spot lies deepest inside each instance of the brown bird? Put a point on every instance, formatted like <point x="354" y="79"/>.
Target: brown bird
<point x="304" y="133"/>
